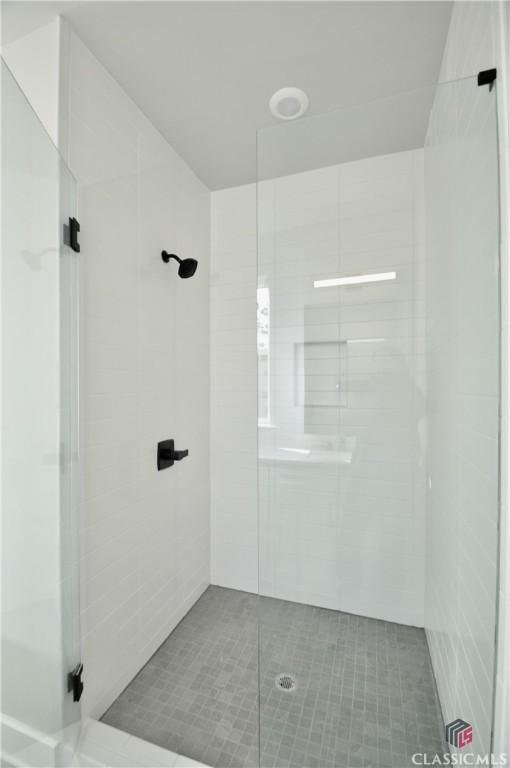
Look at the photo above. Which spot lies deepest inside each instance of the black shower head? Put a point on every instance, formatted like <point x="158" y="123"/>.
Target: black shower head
<point x="187" y="267"/>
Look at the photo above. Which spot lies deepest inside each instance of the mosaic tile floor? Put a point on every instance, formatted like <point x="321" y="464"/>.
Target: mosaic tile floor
<point x="364" y="693"/>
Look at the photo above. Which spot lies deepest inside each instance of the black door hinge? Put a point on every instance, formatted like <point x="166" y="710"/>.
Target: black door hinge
<point x="487" y="77"/>
<point x="75" y="683"/>
<point x="71" y="234"/>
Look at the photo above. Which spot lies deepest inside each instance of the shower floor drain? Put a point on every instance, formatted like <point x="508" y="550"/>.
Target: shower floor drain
<point x="285" y="683"/>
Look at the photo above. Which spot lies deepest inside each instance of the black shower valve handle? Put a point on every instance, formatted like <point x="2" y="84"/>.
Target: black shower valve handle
<point x="179" y="455"/>
<point x="167" y="454"/>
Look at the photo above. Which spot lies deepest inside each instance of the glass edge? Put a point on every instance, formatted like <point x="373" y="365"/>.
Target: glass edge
<point x="358" y="104"/>
<point x="56" y="149"/>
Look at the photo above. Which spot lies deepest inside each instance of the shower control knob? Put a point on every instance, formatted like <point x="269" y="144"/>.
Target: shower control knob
<point x="167" y="454"/>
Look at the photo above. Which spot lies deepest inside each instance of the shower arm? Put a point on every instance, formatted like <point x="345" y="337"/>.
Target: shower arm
<point x="167" y="256"/>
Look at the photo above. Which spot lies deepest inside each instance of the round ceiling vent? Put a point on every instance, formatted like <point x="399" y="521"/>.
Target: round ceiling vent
<point x="288" y="103"/>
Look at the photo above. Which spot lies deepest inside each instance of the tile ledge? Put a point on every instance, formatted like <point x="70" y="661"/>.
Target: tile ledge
<point x="102" y="745"/>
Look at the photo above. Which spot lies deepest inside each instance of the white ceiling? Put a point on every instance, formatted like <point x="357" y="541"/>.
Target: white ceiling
<point x="203" y="73"/>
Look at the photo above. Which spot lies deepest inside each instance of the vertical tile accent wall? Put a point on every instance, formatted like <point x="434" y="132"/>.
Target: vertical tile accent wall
<point x="145" y="364"/>
<point x="234" y="548"/>
<point x="341" y="467"/>
<point x="365" y="554"/>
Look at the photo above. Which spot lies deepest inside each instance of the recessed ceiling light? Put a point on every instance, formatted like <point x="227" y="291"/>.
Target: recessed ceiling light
<point x="288" y="103"/>
<point x="376" y="277"/>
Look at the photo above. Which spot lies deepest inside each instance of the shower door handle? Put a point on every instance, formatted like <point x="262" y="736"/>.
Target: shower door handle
<point x="167" y="454"/>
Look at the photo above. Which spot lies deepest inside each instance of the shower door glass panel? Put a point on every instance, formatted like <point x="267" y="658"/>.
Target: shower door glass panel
<point x="40" y="632"/>
<point x="345" y="558"/>
<point x="463" y="383"/>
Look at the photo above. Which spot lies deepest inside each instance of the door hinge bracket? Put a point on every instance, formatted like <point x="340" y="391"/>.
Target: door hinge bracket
<point x="71" y="231"/>
<point x="75" y="683"/>
<point x="487" y="77"/>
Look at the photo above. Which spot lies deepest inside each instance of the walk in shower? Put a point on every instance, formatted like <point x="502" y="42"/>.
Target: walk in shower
<point x="378" y="447"/>
<point x="315" y="584"/>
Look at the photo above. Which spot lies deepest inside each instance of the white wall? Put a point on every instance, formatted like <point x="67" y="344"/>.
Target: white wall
<point x="145" y="378"/>
<point x="342" y="527"/>
<point x="463" y="333"/>
<point x="234" y="515"/>
<point x="342" y="536"/>
<point x="34" y="60"/>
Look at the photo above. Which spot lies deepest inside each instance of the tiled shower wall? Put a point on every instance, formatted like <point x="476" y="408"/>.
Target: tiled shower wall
<point x="145" y="364"/>
<point x="363" y="552"/>
<point x="460" y="585"/>
<point x="342" y="526"/>
<point x="234" y="516"/>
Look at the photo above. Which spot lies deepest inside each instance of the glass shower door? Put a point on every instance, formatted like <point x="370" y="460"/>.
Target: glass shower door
<point x="463" y="390"/>
<point x="378" y="410"/>
<point x="40" y="617"/>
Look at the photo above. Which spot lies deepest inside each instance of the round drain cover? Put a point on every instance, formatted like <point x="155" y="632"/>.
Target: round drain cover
<point x="285" y="682"/>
